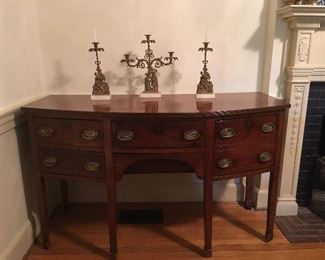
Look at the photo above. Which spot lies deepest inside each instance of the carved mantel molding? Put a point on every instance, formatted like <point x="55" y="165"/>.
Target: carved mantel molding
<point x="302" y="68"/>
<point x="308" y="12"/>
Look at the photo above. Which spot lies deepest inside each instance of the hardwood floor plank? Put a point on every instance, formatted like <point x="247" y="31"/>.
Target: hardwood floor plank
<point x="237" y="234"/>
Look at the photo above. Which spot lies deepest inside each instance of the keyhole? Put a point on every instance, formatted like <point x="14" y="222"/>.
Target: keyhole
<point x="158" y="129"/>
<point x="248" y="124"/>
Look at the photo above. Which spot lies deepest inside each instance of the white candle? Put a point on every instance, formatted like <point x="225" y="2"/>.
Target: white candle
<point x="95" y="34"/>
<point x="206" y="34"/>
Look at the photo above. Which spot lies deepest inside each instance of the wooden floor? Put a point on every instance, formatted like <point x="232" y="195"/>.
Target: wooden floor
<point x="237" y="234"/>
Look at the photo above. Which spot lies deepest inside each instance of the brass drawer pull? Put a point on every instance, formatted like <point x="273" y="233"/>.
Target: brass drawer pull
<point x="191" y="135"/>
<point x="125" y="135"/>
<point x="227" y="132"/>
<point x="49" y="162"/>
<point x="268" y="127"/>
<point x="91" y="166"/>
<point x="45" y="131"/>
<point x="89" y="134"/>
<point x="224" y="163"/>
<point x="265" y="157"/>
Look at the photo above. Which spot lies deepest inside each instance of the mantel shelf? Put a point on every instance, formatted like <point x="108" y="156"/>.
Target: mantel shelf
<point x="302" y="11"/>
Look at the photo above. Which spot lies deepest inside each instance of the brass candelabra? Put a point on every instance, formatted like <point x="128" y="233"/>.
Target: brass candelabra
<point x="151" y="63"/>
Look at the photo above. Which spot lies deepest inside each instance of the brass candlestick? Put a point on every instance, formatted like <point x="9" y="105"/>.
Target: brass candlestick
<point x="151" y="63"/>
<point x="205" y="86"/>
<point x="100" y="87"/>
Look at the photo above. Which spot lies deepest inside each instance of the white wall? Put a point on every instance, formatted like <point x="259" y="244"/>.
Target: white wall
<point x="21" y="80"/>
<point x="1" y="56"/>
<point x="22" y="73"/>
<point x="279" y="57"/>
<point x="14" y="218"/>
<point x="235" y="65"/>
<point x="18" y="206"/>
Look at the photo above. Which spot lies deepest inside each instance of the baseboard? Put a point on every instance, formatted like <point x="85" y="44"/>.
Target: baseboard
<point x="227" y="191"/>
<point x="260" y="198"/>
<point x="20" y="244"/>
<point x="176" y="193"/>
<point x="287" y="207"/>
<point x="173" y="189"/>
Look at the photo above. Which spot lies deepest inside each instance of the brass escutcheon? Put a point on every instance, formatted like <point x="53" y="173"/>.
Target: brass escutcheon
<point x="191" y="135"/>
<point x="89" y="134"/>
<point x="265" y="157"/>
<point x="45" y="131"/>
<point x="268" y="127"/>
<point x="227" y="132"/>
<point x="91" y="166"/>
<point x="224" y="163"/>
<point x="125" y="135"/>
<point x="49" y="162"/>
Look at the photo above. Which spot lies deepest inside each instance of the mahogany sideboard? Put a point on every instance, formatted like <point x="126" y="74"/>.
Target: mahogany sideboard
<point x="230" y="136"/>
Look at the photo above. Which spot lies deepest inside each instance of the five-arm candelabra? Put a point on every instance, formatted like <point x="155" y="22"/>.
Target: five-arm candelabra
<point x="151" y="87"/>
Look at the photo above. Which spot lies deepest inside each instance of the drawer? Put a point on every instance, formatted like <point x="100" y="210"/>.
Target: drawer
<point x="69" y="132"/>
<point x="244" y="158"/>
<point x="246" y="129"/>
<point x="151" y="134"/>
<point x="71" y="163"/>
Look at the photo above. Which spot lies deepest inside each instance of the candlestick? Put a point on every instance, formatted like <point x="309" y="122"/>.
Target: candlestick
<point x="205" y="86"/>
<point x="100" y="87"/>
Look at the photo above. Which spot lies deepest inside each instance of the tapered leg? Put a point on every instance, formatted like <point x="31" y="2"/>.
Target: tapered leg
<point x="112" y="215"/>
<point x="248" y="203"/>
<point x="272" y="198"/>
<point x="208" y="210"/>
<point x="40" y="188"/>
<point x="43" y="216"/>
<point x="111" y="188"/>
<point x="274" y="181"/>
<point x="64" y="195"/>
<point x="208" y="189"/>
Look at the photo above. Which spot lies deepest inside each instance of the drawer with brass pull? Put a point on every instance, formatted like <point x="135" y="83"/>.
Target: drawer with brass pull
<point x="166" y="134"/>
<point x="71" y="163"/>
<point x="244" y="158"/>
<point x="246" y="129"/>
<point x="69" y="132"/>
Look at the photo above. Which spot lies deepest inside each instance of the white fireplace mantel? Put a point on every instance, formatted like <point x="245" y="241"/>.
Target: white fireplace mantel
<point x="306" y="63"/>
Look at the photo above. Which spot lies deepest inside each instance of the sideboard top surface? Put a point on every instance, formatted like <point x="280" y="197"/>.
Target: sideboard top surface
<point x="222" y="104"/>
